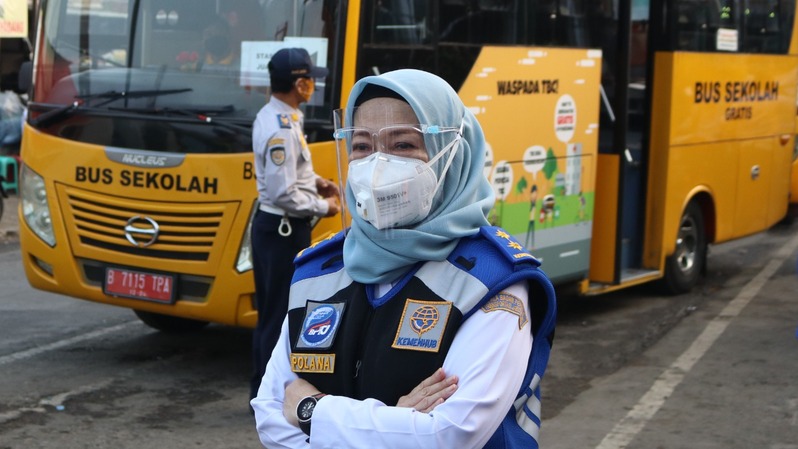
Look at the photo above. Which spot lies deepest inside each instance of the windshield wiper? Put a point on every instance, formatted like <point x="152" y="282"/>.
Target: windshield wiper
<point x="206" y="118"/>
<point x="204" y="114"/>
<point x="109" y="96"/>
<point x="113" y="95"/>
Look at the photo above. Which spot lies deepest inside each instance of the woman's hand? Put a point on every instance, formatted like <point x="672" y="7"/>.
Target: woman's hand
<point x="295" y="392"/>
<point x="431" y="392"/>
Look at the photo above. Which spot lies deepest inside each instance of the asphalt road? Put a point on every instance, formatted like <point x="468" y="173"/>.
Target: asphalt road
<point x="75" y="374"/>
<point x="724" y="376"/>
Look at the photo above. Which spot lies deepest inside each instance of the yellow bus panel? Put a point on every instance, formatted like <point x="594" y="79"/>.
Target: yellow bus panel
<point x="719" y="135"/>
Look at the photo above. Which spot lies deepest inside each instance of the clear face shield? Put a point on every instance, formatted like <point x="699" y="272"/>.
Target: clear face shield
<point x="391" y="175"/>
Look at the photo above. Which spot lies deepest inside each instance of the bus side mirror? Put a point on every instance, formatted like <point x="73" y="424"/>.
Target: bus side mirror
<point x="25" y="77"/>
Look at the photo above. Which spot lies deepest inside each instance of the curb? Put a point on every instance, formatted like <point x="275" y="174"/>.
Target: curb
<point x="9" y="224"/>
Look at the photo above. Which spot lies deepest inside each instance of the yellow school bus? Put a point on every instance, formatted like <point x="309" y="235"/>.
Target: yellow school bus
<point x="625" y="136"/>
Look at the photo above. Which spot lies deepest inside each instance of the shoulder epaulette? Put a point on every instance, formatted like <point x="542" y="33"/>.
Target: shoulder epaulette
<point x="507" y="245"/>
<point x="333" y="243"/>
<point x="284" y="120"/>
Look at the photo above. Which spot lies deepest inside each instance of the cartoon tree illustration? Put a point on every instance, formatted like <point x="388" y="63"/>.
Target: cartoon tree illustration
<point x="520" y="186"/>
<point x="550" y="166"/>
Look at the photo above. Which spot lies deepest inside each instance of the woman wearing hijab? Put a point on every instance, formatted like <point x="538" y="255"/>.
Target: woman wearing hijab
<point x="420" y="326"/>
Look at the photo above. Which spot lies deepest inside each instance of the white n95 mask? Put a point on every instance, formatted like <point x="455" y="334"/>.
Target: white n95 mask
<point x="392" y="191"/>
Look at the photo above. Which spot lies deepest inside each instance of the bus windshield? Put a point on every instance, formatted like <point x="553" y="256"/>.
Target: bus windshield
<point x="133" y="63"/>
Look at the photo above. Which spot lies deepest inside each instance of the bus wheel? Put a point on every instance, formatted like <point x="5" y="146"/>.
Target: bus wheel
<point x="169" y="324"/>
<point x="685" y="265"/>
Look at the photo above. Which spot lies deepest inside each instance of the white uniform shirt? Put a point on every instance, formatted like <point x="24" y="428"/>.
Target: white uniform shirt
<point x="489" y="354"/>
<point x="284" y="172"/>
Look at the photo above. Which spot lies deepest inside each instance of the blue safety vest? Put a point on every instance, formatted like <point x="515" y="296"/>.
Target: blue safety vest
<point x="346" y="341"/>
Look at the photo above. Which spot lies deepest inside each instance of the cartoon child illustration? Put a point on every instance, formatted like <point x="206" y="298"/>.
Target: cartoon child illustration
<point x="547" y="210"/>
<point x="530" y="230"/>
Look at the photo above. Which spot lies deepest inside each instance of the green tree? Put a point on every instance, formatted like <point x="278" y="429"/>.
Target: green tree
<point x="550" y="166"/>
<point x="520" y="186"/>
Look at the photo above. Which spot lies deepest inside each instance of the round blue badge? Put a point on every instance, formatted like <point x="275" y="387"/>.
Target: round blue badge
<point x="319" y="325"/>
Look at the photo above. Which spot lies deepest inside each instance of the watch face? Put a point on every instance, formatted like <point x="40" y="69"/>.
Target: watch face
<point x="304" y="409"/>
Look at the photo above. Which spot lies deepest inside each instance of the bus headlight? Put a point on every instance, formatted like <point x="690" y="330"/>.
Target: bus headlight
<point x="35" y="208"/>
<point x="244" y="261"/>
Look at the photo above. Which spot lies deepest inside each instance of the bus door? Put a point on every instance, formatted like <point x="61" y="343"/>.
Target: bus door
<point x="623" y="128"/>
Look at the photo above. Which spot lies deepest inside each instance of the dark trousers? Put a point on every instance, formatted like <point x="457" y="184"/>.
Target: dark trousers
<point x="273" y="267"/>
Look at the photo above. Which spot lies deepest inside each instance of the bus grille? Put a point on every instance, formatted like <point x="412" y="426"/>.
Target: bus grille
<point x="185" y="231"/>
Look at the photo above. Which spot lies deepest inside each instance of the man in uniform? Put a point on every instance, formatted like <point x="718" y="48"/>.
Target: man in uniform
<point x="289" y="192"/>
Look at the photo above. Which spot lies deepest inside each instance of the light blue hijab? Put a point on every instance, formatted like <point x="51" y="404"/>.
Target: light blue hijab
<point x="463" y="201"/>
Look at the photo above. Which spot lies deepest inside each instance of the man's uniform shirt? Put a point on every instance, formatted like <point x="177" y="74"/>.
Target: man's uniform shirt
<point x="284" y="172"/>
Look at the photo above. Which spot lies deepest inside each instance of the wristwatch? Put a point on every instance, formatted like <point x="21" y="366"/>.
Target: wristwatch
<point x="304" y="411"/>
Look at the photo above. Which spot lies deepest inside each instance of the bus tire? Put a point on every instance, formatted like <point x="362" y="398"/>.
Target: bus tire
<point x="791" y="216"/>
<point x="169" y="324"/>
<point x="683" y="268"/>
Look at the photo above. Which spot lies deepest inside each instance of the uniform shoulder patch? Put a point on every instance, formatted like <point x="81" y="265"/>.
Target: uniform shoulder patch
<point x="277" y="155"/>
<point x="275" y="142"/>
<point x="508" y="303"/>
<point x="276" y="149"/>
<point x="284" y="120"/>
<point x="508" y="245"/>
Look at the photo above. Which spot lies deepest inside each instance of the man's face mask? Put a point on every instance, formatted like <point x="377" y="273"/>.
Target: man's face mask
<point x="305" y="87"/>
<point x="391" y="190"/>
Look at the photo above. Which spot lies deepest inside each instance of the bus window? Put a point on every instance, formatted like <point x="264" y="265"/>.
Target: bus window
<point x="767" y="26"/>
<point x="400" y="22"/>
<point x="176" y="40"/>
<point x="754" y="26"/>
<point x="694" y="26"/>
<point x="446" y="36"/>
<point x="204" y="56"/>
<point x="479" y="22"/>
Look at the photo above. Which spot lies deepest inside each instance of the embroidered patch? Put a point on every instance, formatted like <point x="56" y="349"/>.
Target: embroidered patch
<point x="277" y="155"/>
<point x="320" y="324"/>
<point x="422" y="325"/>
<point x="284" y="120"/>
<point x="523" y="256"/>
<point x="508" y="303"/>
<point x="312" y="363"/>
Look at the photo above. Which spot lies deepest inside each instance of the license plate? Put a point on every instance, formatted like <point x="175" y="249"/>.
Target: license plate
<point x="140" y="285"/>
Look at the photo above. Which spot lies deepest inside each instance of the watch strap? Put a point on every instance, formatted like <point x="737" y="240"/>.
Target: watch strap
<point x="304" y="426"/>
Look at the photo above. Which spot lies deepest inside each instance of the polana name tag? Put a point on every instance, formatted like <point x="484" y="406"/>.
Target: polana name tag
<point x="312" y="363"/>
